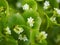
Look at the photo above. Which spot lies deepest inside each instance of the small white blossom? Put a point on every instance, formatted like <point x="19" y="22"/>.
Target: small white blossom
<point x="58" y="1"/>
<point x="18" y="4"/>
<point x="18" y="29"/>
<point x="30" y="21"/>
<point x="43" y="33"/>
<point x="57" y="10"/>
<point x="42" y="36"/>
<point x="46" y="4"/>
<point x="26" y="7"/>
<point x="53" y="19"/>
<point x="7" y="30"/>
<point x="20" y="37"/>
<point x="25" y="38"/>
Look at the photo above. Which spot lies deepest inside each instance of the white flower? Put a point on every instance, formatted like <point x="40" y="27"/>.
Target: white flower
<point x="46" y="4"/>
<point x="58" y="1"/>
<point x="7" y="30"/>
<point x="18" y="29"/>
<point x="57" y="10"/>
<point x="53" y="19"/>
<point x="25" y="38"/>
<point x="20" y="37"/>
<point x="30" y="21"/>
<point x="42" y="36"/>
<point x="26" y="7"/>
<point x="18" y="4"/>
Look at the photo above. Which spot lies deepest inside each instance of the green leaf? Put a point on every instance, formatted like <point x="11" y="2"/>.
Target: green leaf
<point x="15" y="19"/>
<point x="52" y="31"/>
<point x="8" y="41"/>
<point x="58" y="20"/>
<point x="54" y="3"/>
<point x="2" y="3"/>
<point x="35" y="16"/>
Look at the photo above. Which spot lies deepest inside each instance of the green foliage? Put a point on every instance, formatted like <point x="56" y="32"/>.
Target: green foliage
<point x="29" y="22"/>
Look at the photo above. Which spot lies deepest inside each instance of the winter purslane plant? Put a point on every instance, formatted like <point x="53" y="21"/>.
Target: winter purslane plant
<point x="29" y="22"/>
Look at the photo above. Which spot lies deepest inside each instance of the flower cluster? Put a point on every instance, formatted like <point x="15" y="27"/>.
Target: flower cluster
<point x="19" y="30"/>
<point x="24" y="38"/>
